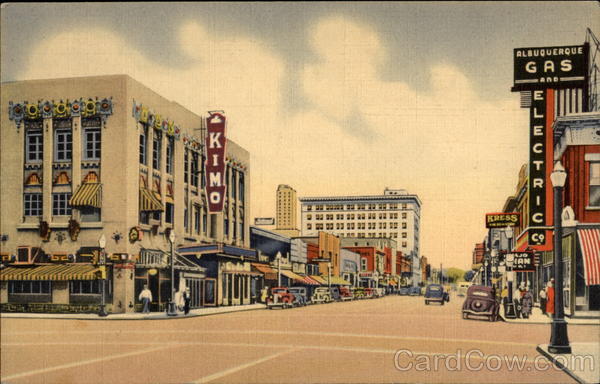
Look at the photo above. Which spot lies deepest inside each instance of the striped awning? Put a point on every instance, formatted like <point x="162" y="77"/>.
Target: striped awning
<point x="336" y="280"/>
<point x="59" y="272"/>
<point x="589" y="239"/>
<point x="308" y="281"/>
<point x="149" y="202"/>
<point x="319" y="279"/>
<point x="87" y="195"/>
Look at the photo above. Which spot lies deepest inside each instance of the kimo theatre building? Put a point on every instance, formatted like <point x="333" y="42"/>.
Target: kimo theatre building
<point x="105" y="157"/>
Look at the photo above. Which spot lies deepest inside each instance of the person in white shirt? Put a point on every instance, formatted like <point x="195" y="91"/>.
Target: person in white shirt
<point x="146" y="298"/>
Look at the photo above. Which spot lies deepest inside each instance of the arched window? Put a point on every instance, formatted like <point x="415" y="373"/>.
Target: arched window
<point x="33" y="179"/>
<point x="62" y="178"/>
<point x="91" y="177"/>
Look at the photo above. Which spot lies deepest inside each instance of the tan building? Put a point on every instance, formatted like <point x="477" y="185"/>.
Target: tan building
<point x="92" y="156"/>
<point x="287" y="211"/>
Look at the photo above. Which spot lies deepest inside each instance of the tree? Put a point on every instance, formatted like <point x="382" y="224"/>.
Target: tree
<point x="454" y="274"/>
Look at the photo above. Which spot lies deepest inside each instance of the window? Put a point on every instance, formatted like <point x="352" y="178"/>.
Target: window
<point x="62" y="145"/>
<point x="594" y="184"/>
<point x="319" y="216"/>
<point x="329" y="226"/>
<point x="91" y="143"/>
<point x="156" y="148"/>
<point x="404" y="215"/>
<point x="85" y="287"/>
<point x="185" y="220"/>
<point x="233" y="184"/>
<point x="194" y="169"/>
<point x="319" y="226"/>
<point x="169" y="213"/>
<point x="90" y="214"/>
<point x="34" y="145"/>
<point x="60" y="204"/>
<point x="205" y="221"/>
<point x="309" y="217"/>
<point x="309" y="207"/>
<point x="186" y="161"/>
<point x="226" y="226"/>
<point x="404" y="244"/>
<point x="404" y="235"/>
<point x="170" y="154"/>
<point x="403" y="225"/>
<point x="363" y="263"/>
<point x="329" y="217"/>
<point x="404" y="206"/>
<point x="29" y="287"/>
<point x="203" y="173"/>
<point x="143" y="145"/>
<point x="197" y="219"/>
<point x="32" y="204"/>
<point x="309" y="227"/>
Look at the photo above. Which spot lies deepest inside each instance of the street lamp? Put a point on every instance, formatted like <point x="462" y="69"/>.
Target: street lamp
<point x="559" y="340"/>
<point x="485" y="276"/>
<point x="509" y="307"/>
<point x="278" y="258"/>
<point x="102" y="243"/>
<point x="171" y="310"/>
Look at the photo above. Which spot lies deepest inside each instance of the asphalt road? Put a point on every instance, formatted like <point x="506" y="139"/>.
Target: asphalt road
<point x="392" y="339"/>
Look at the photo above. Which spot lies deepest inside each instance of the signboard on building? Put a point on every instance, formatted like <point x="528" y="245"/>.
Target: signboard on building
<point x="522" y="261"/>
<point x="215" y="161"/>
<point x="502" y="220"/>
<point x="550" y="67"/>
<point x="264" y="221"/>
<point x="537" y="159"/>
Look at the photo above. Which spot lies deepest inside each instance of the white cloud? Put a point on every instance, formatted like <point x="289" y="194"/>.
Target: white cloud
<point x="358" y="133"/>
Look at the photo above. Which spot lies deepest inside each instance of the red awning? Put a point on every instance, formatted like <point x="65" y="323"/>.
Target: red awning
<point x="589" y="239"/>
<point x="308" y="281"/>
<point x="270" y="273"/>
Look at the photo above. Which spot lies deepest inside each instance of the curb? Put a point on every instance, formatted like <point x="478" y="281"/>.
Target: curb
<point x="559" y="364"/>
<point x="162" y="316"/>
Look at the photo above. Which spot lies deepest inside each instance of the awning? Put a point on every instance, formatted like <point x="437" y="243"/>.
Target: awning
<point x="59" y="272"/>
<point x="87" y="195"/>
<point x="336" y="280"/>
<point x="148" y="202"/>
<point x="589" y="239"/>
<point x="308" y="281"/>
<point x="242" y="272"/>
<point x="319" y="279"/>
<point x="291" y="275"/>
<point x="270" y="273"/>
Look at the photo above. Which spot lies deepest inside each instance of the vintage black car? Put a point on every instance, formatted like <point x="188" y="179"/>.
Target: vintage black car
<point x="414" y="291"/>
<point x="300" y="296"/>
<point x="403" y="291"/>
<point x="435" y="293"/>
<point x="481" y="301"/>
<point x="335" y="293"/>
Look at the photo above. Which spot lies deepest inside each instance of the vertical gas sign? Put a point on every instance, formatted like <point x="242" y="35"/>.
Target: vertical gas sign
<point x="215" y="161"/>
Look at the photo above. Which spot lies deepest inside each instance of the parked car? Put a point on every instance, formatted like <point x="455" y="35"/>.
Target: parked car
<point x="346" y="293"/>
<point x="280" y="297"/>
<point x="300" y="296"/>
<point x="480" y="301"/>
<point x="404" y="291"/>
<point x="379" y="292"/>
<point x="369" y="293"/>
<point x="414" y="291"/>
<point x="321" y="295"/>
<point x="462" y="288"/>
<point x="437" y="294"/>
<point x="335" y="294"/>
<point x="359" y="293"/>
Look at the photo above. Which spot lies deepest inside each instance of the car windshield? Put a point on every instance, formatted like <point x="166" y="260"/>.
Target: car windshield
<point x="480" y="293"/>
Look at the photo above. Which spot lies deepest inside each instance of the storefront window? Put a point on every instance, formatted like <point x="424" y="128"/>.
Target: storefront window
<point x="29" y="287"/>
<point x="85" y="287"/>
<point x="594" y="184"/>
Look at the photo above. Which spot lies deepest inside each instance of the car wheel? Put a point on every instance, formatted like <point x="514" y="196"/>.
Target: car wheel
<point x="426" y="302"/>
<point x="465" y="315"/>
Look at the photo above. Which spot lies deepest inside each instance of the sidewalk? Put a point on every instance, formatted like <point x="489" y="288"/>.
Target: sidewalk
<point x="537" y="317"/>
<point x="136" y="315"/>
<point x="582" y="364"/>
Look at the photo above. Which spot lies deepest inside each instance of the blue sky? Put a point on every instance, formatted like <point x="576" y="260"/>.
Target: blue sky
<point x="331" y="98"/>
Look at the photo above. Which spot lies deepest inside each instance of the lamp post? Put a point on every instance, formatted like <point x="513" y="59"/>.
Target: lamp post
<point x="102" y="243"/>
<point x="509" y="307"/>
<point x="559" y="340"/>
<point x="329" y="273"/>
<point x="494" y="256"/>
<point x="171" y="310"/>
<point x="278" y="257"/>
<point x="485" y="270"/>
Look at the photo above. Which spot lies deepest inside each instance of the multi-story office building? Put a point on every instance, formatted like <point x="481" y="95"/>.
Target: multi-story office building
<point x="92" y="156"/>
<point x="395" y="215"/>
<point x="287" y="211"/>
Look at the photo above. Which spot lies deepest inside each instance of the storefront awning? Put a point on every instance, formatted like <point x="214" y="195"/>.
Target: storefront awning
<point x="149" y="202"/>
<point x="589" y="239"/>
<point x="306" y="280"/>
<point x="270" y="273"/>
<point x="60" y="272"/>
<point x="87" y="195"/>
<point x="242" y="272"/>
<point x="319" y="279"/>
<point x="336" y="280"/>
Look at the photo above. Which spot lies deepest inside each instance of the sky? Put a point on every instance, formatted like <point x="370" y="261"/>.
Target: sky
<point x="331" y="98"/>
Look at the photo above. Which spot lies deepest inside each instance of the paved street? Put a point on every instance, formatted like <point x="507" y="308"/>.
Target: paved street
<point x="336" y="343"/>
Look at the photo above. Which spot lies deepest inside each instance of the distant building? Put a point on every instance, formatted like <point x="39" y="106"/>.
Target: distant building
<point x="287" y="211"/>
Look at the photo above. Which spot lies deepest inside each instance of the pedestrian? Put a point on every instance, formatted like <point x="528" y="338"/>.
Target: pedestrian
<point x="526" y="303"/>
<point x="146" y="297"/>
<point x="550" y="298"/>
<point x="543" y="300"/>
<point x="263" y="295"/>
<point x="504" y="295"/>
<point x="187" y="298"/>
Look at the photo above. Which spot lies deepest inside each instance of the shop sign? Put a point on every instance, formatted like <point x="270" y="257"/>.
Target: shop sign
<point x="522" y="261"/>
<point x="537" y="160"/>
<point x="264" y="221"/>
<point x="536" y="236"/>
<point x="215" y="161"/>
<point x="502" y="220"/>
<point x="550" y="67"/>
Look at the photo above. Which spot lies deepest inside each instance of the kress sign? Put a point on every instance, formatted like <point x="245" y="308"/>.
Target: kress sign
<point x="215" y="162"/>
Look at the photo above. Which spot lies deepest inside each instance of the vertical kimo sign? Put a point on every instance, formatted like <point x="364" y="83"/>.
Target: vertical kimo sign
<point x="215" y="162"/>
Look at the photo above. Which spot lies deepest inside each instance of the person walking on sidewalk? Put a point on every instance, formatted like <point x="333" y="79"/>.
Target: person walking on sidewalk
<point x="526" y="304"/>
<point x="187" y="297"/>
<point x="543" y="300"/>
<point x="146" y="297"/>
<point x="550" y="298"/>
